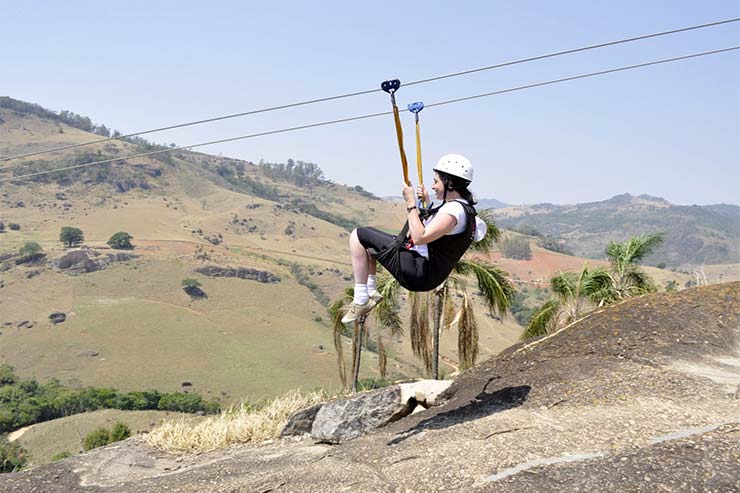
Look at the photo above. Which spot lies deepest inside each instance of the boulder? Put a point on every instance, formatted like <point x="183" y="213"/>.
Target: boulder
<point x="25" y="324"/>
<point x="301" y="422"/>
<point x="57" y="317"/>
<point x="84" y="261"/>
<point x="344" y="419"/>
<point x="195" y="292"/>
<point x="240" y="272"/>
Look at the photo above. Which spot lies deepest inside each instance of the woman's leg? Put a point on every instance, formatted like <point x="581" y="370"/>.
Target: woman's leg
<point x="362" y="263"/>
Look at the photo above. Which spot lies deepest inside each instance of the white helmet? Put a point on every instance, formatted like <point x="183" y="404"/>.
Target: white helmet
<point x="455" y="165"/>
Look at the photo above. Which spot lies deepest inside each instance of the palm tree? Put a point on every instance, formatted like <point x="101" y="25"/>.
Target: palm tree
<point x="575" y="294"/>
<point x="385" y="316"/>
<point x="497" y="293"/>
<point x="628" y="278"/>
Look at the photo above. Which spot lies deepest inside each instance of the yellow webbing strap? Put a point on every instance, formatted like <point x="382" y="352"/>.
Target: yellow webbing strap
<point x="418" y="158"/>
<point x="399" y="134"/>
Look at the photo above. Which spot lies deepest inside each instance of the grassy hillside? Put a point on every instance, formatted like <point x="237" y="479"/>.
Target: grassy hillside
<point x="693" y="234"/>
<point x="44" y="440"/>
<point x="189" y="210"/>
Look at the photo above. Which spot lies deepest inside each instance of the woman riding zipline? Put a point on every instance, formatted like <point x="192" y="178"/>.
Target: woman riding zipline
<point x="427" y="249"/>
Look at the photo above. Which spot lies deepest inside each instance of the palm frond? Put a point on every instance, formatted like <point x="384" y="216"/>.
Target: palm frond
<point x="386" y="313"/>
<point x="542" y="319"/>
<point x="340" y="358"/>
<point x="336" y="312"/>
<point x="356" y="347"/>
<point x="420" y="333"/>
<point x="638" y="282"/>
<point x="382" y="358"/>
<point x="467" y="341"/>
<point x="564" y="284"/>
<point x="496" y="289"/>
<point x="598" y="287"/>
<point x="641" y="246"/>
<point x="448" y="308"/>
<point x="492" y="232"/>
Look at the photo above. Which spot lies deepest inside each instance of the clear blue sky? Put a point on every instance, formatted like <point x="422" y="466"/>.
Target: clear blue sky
<point x="671" y="130"/>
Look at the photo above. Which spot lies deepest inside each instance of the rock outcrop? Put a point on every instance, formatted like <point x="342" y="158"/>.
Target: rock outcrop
<point x="640" y="397"/>
<point x="239" y="272"/>
<point x="86" y="260"/>
<point x="344" y="419"/>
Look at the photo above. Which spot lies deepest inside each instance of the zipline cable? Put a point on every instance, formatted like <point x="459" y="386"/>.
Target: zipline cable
<point x="373" y="115"/>
<point x="370" y="91"/>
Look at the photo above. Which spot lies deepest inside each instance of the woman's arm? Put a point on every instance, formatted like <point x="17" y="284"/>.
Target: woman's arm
<point x="438" y="227"/>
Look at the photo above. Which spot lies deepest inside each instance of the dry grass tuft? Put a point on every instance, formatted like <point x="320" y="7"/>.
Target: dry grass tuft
<point x="239" y="424"/>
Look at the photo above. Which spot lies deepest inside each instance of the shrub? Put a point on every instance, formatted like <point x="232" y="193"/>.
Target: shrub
<point x="12" y="456"/>
<point x="71" y="236"/>
<point x="7" y="375"/>
<point x="14" y="226"/>
<point x="29" y="252"/>
<point x="2" y="227"/>
<point x="121" y="241"/>
<point x="61" y="455"/>
<point x="96" y="439"/>
<point x="190" y="283"/>
<point x="119" y="432"/>
<point x="104" y="436"/>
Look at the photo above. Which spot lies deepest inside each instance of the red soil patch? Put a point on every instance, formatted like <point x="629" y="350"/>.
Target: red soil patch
<point x="541" y="267"/>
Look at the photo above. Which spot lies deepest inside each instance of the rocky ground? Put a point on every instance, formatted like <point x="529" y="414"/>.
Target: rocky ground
<point x="642" y="396"/>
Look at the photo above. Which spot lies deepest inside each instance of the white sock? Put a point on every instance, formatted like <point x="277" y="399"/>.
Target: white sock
<point x="361" y="295"/>
<point x="371" y="284"/>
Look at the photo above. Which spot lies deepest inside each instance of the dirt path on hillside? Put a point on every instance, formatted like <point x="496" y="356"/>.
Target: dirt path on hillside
<point x="17" y="433"/>
<point x="222" y="249"/>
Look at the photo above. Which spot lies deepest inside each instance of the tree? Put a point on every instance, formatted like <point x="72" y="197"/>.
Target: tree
<point x="628" y="278"/>
<point x="71" y="236"/>
<point x="578" y="293"/>
<point x="121" y="241"/>
<point x="497" y="293"/>
<point x="516" y="248"/>
<point x="575" y="295"/>
<point x="385" y="316"/>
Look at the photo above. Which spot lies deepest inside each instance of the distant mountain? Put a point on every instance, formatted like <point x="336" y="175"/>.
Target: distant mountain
<point x="727" y="209"/>
<point x="490" y="204"/>
<point x="693" y="234"/>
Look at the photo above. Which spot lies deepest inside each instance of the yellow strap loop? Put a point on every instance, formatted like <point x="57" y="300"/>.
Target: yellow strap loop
<point x="399" y="134"/>
<point x="418" y="158"/>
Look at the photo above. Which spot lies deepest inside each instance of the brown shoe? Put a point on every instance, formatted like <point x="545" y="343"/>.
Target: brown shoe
<point x="357" y="311"/>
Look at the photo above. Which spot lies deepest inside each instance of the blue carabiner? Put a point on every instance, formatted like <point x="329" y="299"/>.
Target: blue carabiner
<point x="416" y="107"/>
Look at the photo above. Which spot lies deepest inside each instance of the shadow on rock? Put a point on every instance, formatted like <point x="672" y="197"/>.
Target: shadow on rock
<point x="483" y="404"/>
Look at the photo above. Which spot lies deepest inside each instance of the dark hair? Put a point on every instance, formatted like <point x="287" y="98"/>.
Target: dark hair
<point x="456" y="184"/>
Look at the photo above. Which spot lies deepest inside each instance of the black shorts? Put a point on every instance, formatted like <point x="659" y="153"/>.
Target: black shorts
<point x="409" y="267"/>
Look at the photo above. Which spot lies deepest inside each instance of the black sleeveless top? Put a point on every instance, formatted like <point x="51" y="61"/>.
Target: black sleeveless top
<point x="444" y="252"/>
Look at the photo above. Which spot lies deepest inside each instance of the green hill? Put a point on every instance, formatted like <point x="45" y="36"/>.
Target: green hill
<point x="693" y="234"/>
